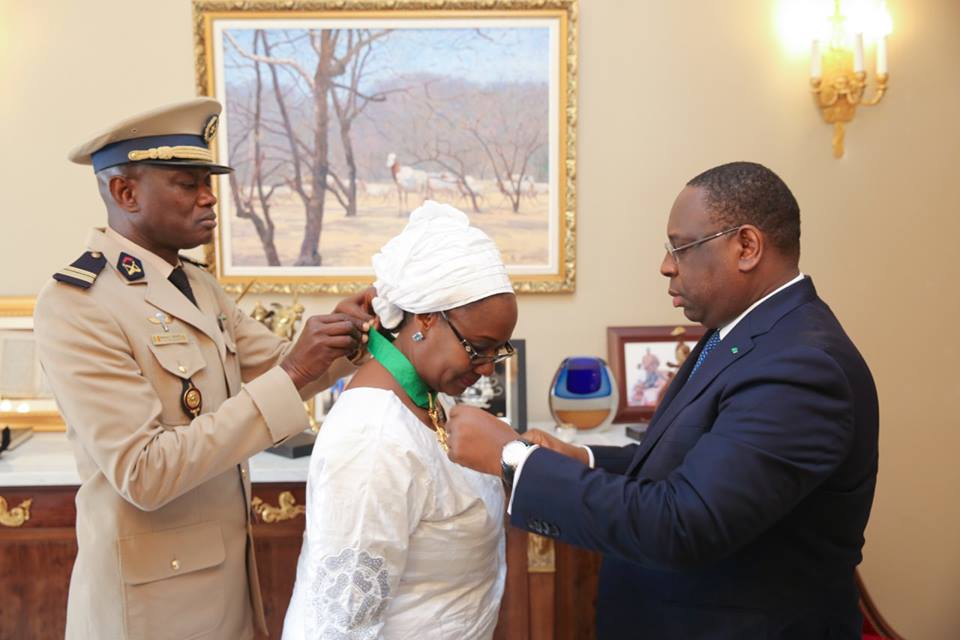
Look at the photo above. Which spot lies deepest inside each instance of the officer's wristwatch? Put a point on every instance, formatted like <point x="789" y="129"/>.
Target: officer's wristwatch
<point x="510" y="457"/>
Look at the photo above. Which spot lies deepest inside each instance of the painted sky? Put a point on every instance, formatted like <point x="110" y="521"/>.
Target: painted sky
<point x="476" y="55"/>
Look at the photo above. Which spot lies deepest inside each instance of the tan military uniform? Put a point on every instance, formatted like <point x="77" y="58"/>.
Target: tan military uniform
<point x="163" y="526"/>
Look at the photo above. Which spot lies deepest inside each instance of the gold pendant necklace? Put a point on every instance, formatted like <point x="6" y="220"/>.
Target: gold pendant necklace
<point x="439" y="418"/>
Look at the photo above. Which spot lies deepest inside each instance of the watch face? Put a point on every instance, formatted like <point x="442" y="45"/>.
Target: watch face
<point x="513" y="452"/>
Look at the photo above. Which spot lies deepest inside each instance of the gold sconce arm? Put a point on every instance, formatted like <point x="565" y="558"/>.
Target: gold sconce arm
<point x="287" y="510"/>
<point x="880" y="91"/>
<point x="14" y="517"/>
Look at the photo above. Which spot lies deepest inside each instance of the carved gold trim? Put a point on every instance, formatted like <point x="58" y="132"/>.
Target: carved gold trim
<point x="541" y="554"/>
<point x="13" y="306"/>
<point x="287" y="510"/>
<point x="17" y="516"/>
<point x="206" y="11"/>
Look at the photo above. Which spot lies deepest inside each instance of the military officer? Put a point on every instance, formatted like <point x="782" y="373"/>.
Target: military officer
<point x="167" y="389"/>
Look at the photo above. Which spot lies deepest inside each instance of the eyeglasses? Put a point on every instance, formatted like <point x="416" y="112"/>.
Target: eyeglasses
<point x="675" y="251"/>
<point x="476" y="355"/>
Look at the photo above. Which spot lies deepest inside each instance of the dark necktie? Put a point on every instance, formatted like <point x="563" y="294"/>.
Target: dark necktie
<point x="179" y="279"/>
<point x="712" y="342"/>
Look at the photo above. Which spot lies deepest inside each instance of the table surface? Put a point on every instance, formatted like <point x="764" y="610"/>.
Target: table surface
<point x="46" y="459"/>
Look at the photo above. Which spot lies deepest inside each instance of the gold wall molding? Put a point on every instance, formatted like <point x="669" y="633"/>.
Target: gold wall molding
<point x="13" y="306"/>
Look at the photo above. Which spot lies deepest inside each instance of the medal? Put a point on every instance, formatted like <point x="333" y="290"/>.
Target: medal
<point x="191" y="399"/>
<point x="403" y="372"/>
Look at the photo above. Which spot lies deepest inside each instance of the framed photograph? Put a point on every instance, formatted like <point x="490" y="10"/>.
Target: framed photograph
<point x="644" y="361"/>
<point x="504" y="394"/>
<point x="25" y="399"/>
<point x="319" y="405"/>
<point x="341" y="118"/>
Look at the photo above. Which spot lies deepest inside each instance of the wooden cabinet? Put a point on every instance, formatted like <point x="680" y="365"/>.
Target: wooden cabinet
<point x="35" y="563"/>
<point x="550" y="588"/>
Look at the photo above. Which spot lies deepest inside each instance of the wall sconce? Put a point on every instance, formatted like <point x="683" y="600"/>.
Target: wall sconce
<point x="838" y="78"/>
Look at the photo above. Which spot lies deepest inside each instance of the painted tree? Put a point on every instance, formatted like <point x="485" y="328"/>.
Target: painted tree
<point x="304" y="67"/>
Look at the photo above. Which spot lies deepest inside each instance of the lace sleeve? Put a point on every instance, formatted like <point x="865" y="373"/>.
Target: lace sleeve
<point x="347" y="596"/>
<point x="365" y="499"/>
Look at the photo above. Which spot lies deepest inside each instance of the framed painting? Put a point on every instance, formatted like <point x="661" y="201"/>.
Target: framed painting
<point x="503" y="394"/>
<point x="340" y="118"/>
<point x="25" y="399"/>
<point x="644" y="361"/>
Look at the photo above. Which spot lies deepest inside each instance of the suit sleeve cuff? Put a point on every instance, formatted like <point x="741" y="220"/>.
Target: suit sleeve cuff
<point x="279" y="403"/>
<point x="593" y="462"/>
<point x="516" y="474"/>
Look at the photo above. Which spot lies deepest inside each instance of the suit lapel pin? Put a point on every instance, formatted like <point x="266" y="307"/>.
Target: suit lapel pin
<point x="734" y="350"/>
<point x="161" y="319"/>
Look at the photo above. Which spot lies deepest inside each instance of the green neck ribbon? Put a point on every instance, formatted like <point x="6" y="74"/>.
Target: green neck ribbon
<point x="400" y="368"/>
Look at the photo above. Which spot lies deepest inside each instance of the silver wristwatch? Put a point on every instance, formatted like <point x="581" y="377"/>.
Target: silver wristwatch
<point x="510" y="457"/>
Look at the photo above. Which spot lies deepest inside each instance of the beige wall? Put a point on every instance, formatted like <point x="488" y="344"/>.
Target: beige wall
<point x="667" y="89"/>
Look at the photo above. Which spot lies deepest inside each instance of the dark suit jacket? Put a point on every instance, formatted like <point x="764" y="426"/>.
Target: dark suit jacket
<point x="741" y="514"/>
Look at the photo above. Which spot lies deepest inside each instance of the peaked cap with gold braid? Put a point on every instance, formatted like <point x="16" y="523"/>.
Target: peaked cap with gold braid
<point x="175" y="135"/>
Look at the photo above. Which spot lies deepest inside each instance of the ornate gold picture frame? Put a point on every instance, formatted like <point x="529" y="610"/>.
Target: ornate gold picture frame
<point x="341" y="117"/>
<point x="24" y="399"/>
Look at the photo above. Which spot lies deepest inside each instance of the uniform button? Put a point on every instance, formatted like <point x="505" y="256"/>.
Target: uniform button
<point x="175" y="564"/>
<point x="95" y="254"/>
<point x="181" y="368"/>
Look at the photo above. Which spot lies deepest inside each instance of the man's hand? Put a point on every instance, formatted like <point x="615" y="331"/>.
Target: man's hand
<point x="476" y="439"/>
<point x="358" y="306"/>
<point x="323" y="340"/>
<point x="547" y="441"/>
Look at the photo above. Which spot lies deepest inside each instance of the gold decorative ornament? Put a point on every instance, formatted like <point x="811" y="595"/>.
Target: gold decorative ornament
<point x="541" y="554"/>
<point x="205" y="12"/>
<point x="838" y="79"/>
<point x="282" y="320"/>
<point x="17" y="516"/>
<point x="287" y="510"/>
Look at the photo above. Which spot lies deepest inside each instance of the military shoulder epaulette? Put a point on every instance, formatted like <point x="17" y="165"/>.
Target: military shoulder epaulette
<point x="83" y="271"/>
<point x="202" y="265"/>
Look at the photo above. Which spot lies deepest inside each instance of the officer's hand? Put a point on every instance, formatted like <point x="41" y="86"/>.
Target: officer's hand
<point x="547" y="441"/>
<point x="476" y="438"/>
<point x="323" y="340"/>
<point x="358" y="306"/>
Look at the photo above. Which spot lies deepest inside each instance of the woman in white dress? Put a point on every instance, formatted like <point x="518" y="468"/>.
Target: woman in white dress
<point x="400" y="542"/>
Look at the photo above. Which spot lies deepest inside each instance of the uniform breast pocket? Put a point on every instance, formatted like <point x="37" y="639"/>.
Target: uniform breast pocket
<point x="178" y="363"/>
<point x="174" y="582"/>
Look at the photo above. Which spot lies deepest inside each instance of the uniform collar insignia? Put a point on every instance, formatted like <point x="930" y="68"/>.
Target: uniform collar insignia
<point x="131" y="267"/>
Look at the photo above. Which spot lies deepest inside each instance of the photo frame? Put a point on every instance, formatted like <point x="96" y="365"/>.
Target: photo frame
<point x="643" y="361"/>
<point x="25" y="400"/>
<point x="504" y="394"/>
<point x="419" y="99"/>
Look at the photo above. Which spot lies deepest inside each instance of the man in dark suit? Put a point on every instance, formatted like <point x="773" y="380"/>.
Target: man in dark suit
<point x="741" y="514"/>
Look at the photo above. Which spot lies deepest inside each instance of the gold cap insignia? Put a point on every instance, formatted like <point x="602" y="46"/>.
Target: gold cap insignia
<point x="210" y="129"/>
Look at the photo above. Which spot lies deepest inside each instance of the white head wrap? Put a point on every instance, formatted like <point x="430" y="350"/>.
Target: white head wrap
<point x="438" y="262"/>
